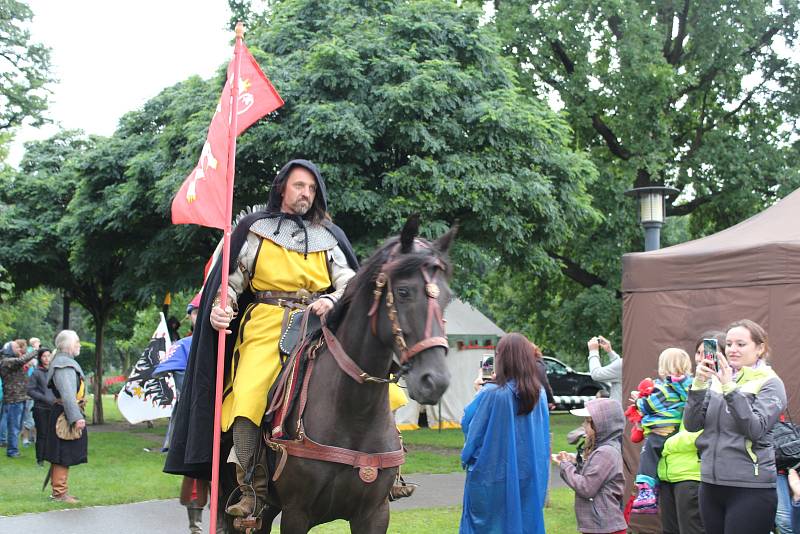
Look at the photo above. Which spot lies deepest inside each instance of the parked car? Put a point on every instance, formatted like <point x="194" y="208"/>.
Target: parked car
<point x="566" y="382"/>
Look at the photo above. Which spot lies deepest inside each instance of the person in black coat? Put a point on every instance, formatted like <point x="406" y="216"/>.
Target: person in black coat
<point x="43" y="400"/>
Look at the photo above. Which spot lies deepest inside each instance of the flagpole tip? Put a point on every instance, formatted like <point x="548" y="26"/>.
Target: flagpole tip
<point x="239" y="30"/>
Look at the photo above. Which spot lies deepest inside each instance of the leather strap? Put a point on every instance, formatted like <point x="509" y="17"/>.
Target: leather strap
<point x="344" y="361"/>
<point x="308" y="448"/>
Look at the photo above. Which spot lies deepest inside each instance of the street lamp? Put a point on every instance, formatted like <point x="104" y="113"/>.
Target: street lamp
<point x="652" y="211"/>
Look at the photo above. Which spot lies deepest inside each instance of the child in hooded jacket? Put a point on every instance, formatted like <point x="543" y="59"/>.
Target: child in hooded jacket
<point x="598" y="483"/>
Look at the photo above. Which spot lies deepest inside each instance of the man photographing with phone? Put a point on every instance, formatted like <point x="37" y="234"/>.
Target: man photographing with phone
<point x="612" y="372"/>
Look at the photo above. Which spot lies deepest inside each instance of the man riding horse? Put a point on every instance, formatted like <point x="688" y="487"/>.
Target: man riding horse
<point x="288" y="257"/>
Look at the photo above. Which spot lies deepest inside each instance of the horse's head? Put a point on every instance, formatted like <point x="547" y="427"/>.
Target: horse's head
<point x="410" y="294"/>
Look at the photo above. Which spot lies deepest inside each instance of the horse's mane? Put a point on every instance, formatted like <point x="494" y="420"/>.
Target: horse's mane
<point x="363" y="282"/>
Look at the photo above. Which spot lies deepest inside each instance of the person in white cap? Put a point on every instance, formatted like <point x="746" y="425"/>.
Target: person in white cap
<point x="598" y="483"/>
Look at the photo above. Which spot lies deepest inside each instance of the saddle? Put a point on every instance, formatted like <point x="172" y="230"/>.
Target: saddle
<point x="299" y="326"/>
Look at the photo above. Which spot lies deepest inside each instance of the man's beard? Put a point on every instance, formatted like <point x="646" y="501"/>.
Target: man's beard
<point x="301" y="207"/>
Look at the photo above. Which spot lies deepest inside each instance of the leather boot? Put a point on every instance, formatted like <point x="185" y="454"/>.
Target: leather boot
<point x="247" y="503"/>
<point x="58" y="479"/>
<point x="195" y="520"/>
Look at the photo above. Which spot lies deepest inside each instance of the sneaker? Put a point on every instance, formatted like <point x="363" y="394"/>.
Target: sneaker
<point x="646" y="510"/>
<point x="14" y="455"/>
<point x="646" y="497"/>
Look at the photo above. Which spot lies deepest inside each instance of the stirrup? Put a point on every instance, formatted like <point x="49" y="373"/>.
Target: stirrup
<point x="401" y="489"/>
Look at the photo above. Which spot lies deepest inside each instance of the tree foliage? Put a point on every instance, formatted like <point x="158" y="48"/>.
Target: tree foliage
<point x="24" y="68"/>
<point x="700" y="96"/>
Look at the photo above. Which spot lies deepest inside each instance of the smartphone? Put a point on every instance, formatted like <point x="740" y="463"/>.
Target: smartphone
<point x="487" y="366"/>
<point x="710" y="349"/>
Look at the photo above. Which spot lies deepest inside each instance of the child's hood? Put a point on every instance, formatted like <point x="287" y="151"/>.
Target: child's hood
<point x="608" y="420"/>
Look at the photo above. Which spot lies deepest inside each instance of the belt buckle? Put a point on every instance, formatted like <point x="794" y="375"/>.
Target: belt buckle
<point x="281" y="302"/>
<point x="303" y="295"/>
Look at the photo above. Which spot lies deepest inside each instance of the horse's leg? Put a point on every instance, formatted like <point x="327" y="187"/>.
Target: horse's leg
<point x="376" y="521"/>
<point x="267" y="517"/>
<point x="293" y="522"/>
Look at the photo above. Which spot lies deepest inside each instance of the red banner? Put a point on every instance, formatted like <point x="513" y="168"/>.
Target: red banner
<point x="202" y="196"/>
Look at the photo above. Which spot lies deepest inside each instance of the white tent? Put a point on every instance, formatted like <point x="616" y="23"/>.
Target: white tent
<point x="471" y="335"/>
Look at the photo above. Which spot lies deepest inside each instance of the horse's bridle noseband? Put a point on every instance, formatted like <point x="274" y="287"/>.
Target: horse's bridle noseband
<point x="384" y="281"/>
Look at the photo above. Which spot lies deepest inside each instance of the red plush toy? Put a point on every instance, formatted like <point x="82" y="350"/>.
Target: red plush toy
<point x="632" y="413"/>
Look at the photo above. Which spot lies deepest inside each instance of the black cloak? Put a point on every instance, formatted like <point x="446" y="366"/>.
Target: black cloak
<point x="190" y="451"/>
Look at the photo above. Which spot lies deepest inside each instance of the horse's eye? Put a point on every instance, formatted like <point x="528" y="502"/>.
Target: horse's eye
<point x="403" y="292"/>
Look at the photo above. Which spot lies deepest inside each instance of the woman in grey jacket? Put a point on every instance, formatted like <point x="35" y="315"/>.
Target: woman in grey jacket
<point x="65" y="378"/>
<point x="736" y="406"/>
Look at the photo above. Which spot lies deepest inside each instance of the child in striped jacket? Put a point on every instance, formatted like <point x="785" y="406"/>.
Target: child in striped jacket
<point x="662" y="411"/>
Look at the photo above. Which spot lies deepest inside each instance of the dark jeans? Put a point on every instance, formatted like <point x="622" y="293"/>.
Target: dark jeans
<point x="650" y="455"/>
<point x="41" y="417"/>
<point x="731" y="510"/>
<point x="680" y="508"/>
<point x="14" y="411"/>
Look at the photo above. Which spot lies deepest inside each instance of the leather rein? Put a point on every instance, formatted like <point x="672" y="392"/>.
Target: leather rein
<point x="368" y="464"/>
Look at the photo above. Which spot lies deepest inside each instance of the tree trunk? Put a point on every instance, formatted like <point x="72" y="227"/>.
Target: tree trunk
<point x="65" y="312"/>
<point x="99" y="333"/>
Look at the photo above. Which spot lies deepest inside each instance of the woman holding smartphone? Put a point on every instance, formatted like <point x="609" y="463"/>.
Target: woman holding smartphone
<point x="736" y="405"/>
<point x="507" y="446"/>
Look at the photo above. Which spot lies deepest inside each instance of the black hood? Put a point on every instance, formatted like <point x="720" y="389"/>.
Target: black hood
<point x="320" y="199"/>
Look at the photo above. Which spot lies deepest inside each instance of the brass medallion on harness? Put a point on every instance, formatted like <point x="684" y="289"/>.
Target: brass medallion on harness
<point x="368" y="474"/>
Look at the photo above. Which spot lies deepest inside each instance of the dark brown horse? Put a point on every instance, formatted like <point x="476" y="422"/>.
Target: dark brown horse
<point x="390" y="315"/>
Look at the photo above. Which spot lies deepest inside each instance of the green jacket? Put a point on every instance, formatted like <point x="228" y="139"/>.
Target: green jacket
<point x="680" y="460"/>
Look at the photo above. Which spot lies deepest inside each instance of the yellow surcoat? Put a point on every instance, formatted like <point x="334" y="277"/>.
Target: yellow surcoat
<point x="256" y="360"/>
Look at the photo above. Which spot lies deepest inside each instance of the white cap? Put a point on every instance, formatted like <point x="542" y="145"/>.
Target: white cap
<point x="580" y="412"/>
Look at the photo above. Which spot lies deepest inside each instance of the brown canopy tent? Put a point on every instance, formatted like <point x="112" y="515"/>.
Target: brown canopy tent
<point x="671" y="296"/>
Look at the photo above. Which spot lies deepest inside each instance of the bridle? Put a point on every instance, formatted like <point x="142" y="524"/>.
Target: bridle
<point x="434" y="312"/>
<point x="383" y="282"/>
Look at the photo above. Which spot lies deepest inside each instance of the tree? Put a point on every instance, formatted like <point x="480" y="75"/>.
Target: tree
<point x="24" y="68"/>
<point x="701" y="96"/>
<point x="407" y="107"/>
<point x="410" y="107"/>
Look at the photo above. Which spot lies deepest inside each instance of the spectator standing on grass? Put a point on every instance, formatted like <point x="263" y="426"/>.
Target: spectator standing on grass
<point x="612" y="372"/>
<point x="68" y="383"/>
<point x="15" y="382"/>
<point x="507" y="442"/>
<point x="736" y="405"/>
<point x="28" y="424"/>
<point x="43" y="399"/>
<point x="679" y="470"/>
<point x="597" y="480"/>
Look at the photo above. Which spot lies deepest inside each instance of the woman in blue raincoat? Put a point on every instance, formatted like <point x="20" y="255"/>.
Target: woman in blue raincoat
<point x="507" y="448"/>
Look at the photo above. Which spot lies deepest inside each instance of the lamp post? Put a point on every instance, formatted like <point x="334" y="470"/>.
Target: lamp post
<point x="652" y="211"/>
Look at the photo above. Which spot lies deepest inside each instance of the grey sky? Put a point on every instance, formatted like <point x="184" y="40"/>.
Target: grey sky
<point x="110" y="56"/>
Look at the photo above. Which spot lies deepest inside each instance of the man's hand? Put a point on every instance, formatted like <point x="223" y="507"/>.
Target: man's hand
<point x="593" y="344"/>
<point x="221" y="318"/>
<point x="604" y="343"/>
<point x="321" y="307"/>
<point x="80" y="424"/>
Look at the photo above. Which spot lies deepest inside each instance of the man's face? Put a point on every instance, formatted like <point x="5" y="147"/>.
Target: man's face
<point x="299" y="192"/>
<point x="19" y="349"/>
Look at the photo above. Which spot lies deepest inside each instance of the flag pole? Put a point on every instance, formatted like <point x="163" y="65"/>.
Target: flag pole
<point x="226" y="254"/>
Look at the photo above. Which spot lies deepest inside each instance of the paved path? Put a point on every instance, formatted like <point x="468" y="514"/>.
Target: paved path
<point x="169" y="517"/>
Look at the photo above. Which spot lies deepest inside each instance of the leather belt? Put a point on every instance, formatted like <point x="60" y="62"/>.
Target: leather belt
<point x="288" y="300"/>
<point x="281" y="298"/>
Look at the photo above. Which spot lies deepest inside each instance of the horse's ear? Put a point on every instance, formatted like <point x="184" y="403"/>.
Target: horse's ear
<point x="445" y="240"/>
<point x="408" y="233"/>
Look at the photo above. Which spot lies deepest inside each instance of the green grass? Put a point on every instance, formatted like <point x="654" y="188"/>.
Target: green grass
<point x="560" y="425"/>
<point x="446" y="439"/>
<point x="119" y="471"/>
<point x="559" y="518"/>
